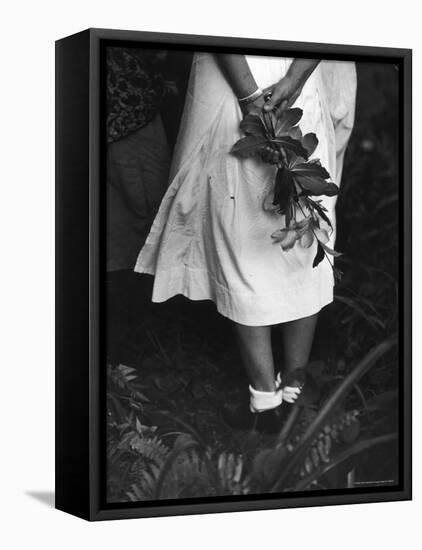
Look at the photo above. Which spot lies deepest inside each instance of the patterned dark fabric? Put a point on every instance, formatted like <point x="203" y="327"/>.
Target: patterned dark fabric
<point x="135" y="89"/>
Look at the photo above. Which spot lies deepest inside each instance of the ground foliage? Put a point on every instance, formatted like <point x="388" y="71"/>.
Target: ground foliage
<point x="172" y="367"/>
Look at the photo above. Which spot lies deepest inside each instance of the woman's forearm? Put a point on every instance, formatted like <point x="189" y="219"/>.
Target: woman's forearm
<point x="301" y="69"/>
<point x="238" y="74"/>
<point x="243" y="84"/>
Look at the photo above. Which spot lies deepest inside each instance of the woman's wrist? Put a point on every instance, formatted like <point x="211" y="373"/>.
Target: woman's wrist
<point x="254" y="106"/>
<point x="250" y="98"/>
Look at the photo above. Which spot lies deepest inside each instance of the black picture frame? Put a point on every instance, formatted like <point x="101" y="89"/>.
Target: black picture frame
<point x="80" y="451"/>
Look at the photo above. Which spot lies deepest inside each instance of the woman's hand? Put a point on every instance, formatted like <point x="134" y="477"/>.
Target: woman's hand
<point x="288" y="89"/>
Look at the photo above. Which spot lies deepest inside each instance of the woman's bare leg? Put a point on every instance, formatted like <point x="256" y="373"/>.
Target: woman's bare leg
<point x="255" y="349"/>
<point x="256" y="352"/>
<point x="297" y="340"/>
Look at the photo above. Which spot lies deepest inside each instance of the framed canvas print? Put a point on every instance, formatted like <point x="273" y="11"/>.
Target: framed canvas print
<point x="233" y="274"/>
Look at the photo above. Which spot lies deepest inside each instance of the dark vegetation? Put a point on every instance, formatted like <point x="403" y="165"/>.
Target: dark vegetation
<point x="172" y="367"/>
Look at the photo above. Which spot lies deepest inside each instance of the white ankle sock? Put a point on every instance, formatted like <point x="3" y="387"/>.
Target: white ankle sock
<point x="264" y="400"/>
<point x="290" y="393"/>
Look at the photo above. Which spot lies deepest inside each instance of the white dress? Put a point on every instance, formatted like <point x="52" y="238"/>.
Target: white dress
<point x="211" y="238"/>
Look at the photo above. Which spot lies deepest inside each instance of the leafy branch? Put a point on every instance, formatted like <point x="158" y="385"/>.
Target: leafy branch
<point x="280" y="142"/>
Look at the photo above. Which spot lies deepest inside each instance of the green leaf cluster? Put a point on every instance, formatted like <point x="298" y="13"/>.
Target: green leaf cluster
<point x="279" y="141"/>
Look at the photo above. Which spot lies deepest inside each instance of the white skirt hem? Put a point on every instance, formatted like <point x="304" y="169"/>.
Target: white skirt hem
<point x="245" y="309"/>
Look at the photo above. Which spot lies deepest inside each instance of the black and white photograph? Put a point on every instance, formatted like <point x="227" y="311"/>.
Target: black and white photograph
<point x="253" y="265"/>
<point x="210" y="237"/>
